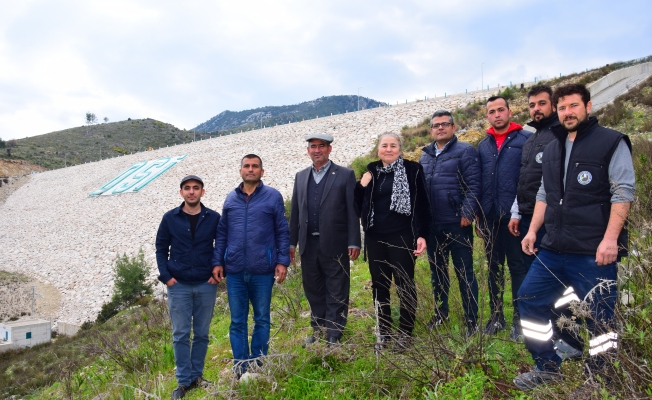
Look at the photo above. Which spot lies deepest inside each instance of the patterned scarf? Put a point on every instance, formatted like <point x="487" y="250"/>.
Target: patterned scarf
<point x="400" y="189"/>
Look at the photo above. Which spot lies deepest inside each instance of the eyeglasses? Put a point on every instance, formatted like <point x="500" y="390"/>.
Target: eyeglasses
<point x="443" y="125"/>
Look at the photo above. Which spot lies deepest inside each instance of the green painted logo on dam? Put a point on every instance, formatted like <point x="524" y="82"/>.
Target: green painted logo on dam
<point x="137" y="176"/>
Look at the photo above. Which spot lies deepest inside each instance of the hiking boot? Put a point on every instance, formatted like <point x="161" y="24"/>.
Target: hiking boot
<point x="437" y="320"/>
<point x="530" y="380"/>
<point x="567" y="352"/>
<point x="333" y="342"/>
<point x="516" y="334"/>
<point x="493" y="327"/>
<point x="199" y="382"/>
<point x="179" y="392"/>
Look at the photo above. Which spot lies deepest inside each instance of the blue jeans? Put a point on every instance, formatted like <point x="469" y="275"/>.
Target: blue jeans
<point x="242" y="288"/>
<point x="550" y="279"/>
<point x="452" y="239"/>
<point x="190" y="305"/>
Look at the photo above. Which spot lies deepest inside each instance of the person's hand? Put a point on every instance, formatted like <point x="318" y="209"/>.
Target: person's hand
<point x="280" y="273"/>
<point x="464" y="222"/>
<point x="421" y="246"/>
<point x="218" y="273"/>
<point x="366" y="178"/>
<point x="292" y="251"/>
<point x="527" y="244"/>
<point x="354" y="254"/>
<point x="171" y="282"/>
<point x="512" y="226"/>
<point x="607" y="252"/>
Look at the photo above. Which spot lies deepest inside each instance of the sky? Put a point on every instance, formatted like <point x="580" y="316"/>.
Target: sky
<point x="185" y="62"/>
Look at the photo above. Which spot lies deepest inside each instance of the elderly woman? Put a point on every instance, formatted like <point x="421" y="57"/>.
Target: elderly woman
<point x="396" y="217"/>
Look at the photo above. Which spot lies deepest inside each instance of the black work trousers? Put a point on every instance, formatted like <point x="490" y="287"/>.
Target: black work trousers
<point x="390" y="256"/>
<point x="326" y="282"/>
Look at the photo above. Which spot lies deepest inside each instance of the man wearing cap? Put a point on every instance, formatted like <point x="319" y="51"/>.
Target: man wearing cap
<point x="325" y="224"/>
<point x="184" y="246"/>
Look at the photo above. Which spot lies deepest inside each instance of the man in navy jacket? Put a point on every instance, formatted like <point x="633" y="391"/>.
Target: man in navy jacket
<point x="452" y="171"/>
<point x="500" y="159"/>
<point x="252" y="249"/>
<point x="184" y="245"/>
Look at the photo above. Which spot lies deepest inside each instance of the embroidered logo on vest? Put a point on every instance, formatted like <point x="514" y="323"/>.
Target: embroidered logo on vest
<point x="584" y="177"/>
<point x="539" y="157"/>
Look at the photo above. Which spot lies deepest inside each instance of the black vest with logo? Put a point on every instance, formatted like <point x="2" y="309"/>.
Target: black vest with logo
<point x="315" y="193"/>
<point x="529" y="178"/>
<point x="577" y="215"/>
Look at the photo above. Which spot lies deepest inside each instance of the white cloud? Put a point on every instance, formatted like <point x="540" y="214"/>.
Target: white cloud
<point x="185" y="62"/>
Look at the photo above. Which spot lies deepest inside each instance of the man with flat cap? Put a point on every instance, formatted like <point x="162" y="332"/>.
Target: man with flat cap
<point x="325" y="224"/>
<point x="184" y="247"/>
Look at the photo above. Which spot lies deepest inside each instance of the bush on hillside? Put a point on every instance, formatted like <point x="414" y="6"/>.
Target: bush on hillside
<point x="131" y="279"/>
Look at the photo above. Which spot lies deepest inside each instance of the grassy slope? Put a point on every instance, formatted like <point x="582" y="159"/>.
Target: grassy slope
<point x="82" y="144"/>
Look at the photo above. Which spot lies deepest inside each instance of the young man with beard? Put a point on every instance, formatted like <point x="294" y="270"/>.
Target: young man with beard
<point x="252" y="250"/>
<point x="184" y="245"/>
<point x="584" y="199"/>
<point x="544" y="117"/>
<point x="500" y="160"/>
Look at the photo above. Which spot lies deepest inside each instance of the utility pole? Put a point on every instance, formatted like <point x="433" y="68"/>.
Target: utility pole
<point x="359" y="97"/>
<point x="482" y="73"/>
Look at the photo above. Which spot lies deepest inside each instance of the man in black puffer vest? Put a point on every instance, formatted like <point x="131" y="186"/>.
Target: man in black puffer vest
<point x="500" y="159"/>
<point x="584" y="198"/>
<point x="544" y="117"/>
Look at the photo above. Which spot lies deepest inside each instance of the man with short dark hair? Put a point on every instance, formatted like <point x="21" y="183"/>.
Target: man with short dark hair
<point x="500" y="158"/>
<point x="544" y="117"/>
<point x="452" y="172"/>
<point x="584" y="198"/>
<point x="184" y="245"/>
<point x="251" y="250"/>
<point x="325" y="224"/>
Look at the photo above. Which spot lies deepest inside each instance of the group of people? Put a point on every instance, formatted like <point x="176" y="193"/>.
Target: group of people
<point x="564" y="189"/>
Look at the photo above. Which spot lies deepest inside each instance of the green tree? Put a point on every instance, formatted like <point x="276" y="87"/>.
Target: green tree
<point x="131" y="279"/>
<point x="91" y="119"/>
<point x="2" y="144"/>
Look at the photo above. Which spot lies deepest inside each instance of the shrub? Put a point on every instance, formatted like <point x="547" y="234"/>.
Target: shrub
<point x="359" y="165"/>
<point x="131" y="279"/>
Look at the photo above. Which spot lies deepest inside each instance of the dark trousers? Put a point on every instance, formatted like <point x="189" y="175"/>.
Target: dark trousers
<point x="391" y="256"/>
<point x="457" y="241"/>
<point x="326" y="283"/>
<point x="556" y="278"/>
<point x="500" y="245"/>
<point x="569" y="337"/>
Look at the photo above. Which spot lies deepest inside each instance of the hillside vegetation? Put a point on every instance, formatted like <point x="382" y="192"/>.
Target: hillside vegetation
<point x="235" y="121"/>
<point x="91" y="143"/>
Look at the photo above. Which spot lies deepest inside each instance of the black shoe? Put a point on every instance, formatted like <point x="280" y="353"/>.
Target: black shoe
<point x="536" y="377"/>
<point x="402" y="344"/>
<point x="493" y="327"/>
<point x="179" y="392"/>
<point x="471" y="328"/>
<point x="312" y="339"/>
<point x="517" y="334"/>
<point x="199" y="382"/>
<point x="567" y="352"/>
<point x="382" y="342"/>
<point x="437" y="320"/>
<point x="333" y="341"/>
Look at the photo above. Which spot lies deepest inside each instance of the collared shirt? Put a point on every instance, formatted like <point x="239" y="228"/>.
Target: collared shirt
<point x="319" y="174"/>
<point x="244" y="194"/>
<point x="437" y="151"/>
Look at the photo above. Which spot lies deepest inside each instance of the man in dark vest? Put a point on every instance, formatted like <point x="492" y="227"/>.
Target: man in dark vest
<point x="584" y="198"/>
<point x="500" y="158"/>
<point x="544" y="117"/>
<point x="325" y="224"/>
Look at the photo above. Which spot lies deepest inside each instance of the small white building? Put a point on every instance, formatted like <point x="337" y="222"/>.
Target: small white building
<point x="24" y="333"/>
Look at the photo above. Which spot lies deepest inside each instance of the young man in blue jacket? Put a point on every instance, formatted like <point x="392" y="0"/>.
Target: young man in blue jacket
<point x="452" y="171"/>
<point x="184" y="245"/>
<point x="252" y="249"/>
<point x="500" y="159"/>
